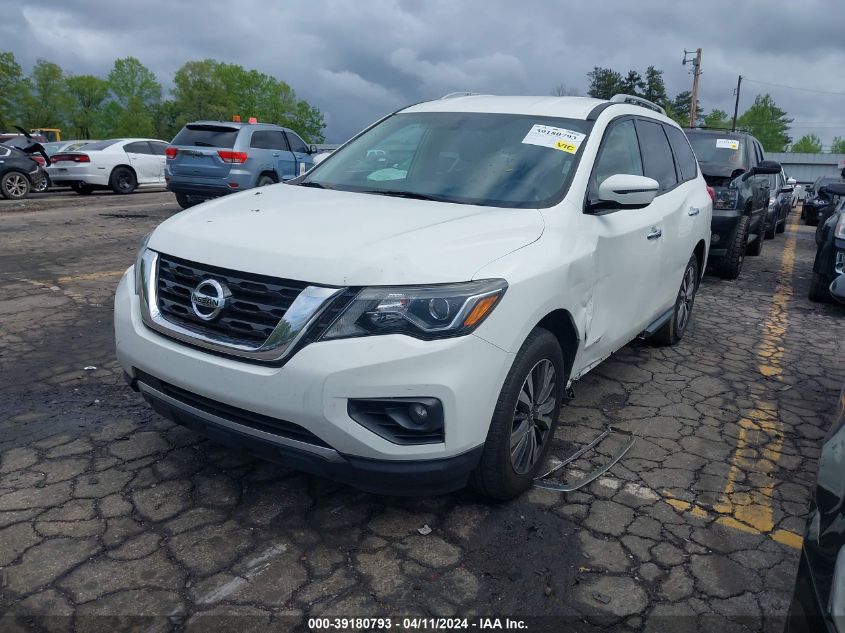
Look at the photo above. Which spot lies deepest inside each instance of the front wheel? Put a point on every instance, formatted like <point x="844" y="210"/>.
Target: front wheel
<point x="781" y="227"/>
<point x="123" y="180"/>
<point x="771" y="229"/>
<point x="524" y="420"/>
<point x="819" y="288"/>
<point x="673" y="330"/>
<point x="731" y="264"/>
<point x="14" y="185"/>
<point x="42" y="186"/>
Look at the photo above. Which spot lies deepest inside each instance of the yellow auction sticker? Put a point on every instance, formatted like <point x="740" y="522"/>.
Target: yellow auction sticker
<point x="566" y="147"/>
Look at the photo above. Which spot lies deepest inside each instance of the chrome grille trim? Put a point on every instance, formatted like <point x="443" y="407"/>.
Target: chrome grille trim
<point x="305" y="309"/>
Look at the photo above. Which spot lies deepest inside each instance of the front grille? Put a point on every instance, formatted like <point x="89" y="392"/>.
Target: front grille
<point x="243" y="417"/>
<point x="255" y="308"/>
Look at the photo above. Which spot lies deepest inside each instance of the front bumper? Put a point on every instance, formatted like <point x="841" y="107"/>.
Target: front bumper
<point x="722" y="228"/>
<point x="312" y="390"/>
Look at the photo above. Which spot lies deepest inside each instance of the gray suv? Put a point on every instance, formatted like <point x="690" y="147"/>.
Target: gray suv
<point x="208" y="159"/>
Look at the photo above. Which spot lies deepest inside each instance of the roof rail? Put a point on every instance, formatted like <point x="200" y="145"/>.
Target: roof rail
<point x="645" y="103"/>
<point x="455" y="95"/>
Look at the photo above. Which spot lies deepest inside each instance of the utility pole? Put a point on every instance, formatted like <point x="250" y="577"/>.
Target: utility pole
<point x="696" y="74"/>
<point x="736" y="103"/>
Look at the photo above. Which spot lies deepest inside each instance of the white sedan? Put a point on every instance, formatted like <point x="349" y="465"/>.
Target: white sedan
<point x="121" y="164"/>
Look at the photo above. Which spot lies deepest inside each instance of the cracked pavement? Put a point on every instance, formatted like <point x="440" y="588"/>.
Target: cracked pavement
<point x="113" y="518"/>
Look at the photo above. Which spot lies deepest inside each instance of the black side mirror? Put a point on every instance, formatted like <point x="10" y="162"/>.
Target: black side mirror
<point x="834" y="189"/>
<point x="312" y="149"/>
<point x="767" y="167"/>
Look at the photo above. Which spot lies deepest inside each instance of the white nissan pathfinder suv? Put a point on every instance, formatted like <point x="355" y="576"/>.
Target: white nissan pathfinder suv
<point x="407" y="315"/>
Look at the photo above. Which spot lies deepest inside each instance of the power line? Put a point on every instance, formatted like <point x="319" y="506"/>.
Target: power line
<point x="767" y="83"/>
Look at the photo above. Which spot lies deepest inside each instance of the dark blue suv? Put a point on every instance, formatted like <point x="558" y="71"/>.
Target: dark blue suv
<point x="207" y="159"/>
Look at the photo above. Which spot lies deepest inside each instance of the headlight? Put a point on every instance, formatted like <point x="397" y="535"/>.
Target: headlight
<point x="772" y="203"/>
<point x="726" y="199"/>
<point x="425" y="312"/>
<point x="839" y="231"/>
<point x="139" y="274"/>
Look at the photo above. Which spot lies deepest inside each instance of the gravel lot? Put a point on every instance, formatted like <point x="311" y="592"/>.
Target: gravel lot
<point x="107" y="509"/>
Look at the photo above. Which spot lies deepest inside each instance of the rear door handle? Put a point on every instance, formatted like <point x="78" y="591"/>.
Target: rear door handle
<point x="694" y="211"/>
<point x="655" y="233"/>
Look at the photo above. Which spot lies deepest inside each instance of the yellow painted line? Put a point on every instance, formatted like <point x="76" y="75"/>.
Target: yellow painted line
<point x="785" y="537"/>
<point x="761" y="437"/>
<point x="92" y="276"/>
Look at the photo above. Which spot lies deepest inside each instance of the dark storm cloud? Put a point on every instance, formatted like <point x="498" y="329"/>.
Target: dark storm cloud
<point x="359" y="60"/>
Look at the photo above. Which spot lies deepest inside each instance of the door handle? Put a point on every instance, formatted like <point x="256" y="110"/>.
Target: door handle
<point x="655" y="233"/>
<point x="694" y="211"/>
<point x="276" y="155"/>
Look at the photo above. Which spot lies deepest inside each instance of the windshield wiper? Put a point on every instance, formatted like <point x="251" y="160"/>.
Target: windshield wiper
<point x="202" y="144"/>
<point x="316" y="185"/>
<point x="403" y="194"/>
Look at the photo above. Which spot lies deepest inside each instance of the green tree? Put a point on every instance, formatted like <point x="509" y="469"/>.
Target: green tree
<point x="46" y="102"/>
<point x="808" y="144"/>
<point x="717" y="118"/>
<point x="837" y="146"/>
<point x="130" y="79"/>
<point x="209" y="89"/>
<point x="633" y="84"/>
<point x="11" y="88"/>
<point x="680" y="107"/>
<point x="88" y="95"/>
<point x="655" y="89"/>
<point x="604" y="82"/>
<point x="769" y="123"/>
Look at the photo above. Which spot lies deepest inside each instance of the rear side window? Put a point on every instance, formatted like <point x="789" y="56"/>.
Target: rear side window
<point x="158" y="147"/>
<point x="656" y="153"/>
<point x="138" y="147"/>
<point x="207" y="136"/>
<point x="619" y="154"/>
<point x="297" y="144"/>
<point x="684" y="158"/>
<point x="268" y="139"/>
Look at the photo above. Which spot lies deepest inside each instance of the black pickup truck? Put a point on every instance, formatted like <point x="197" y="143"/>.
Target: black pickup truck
<point x="734" y="165"/>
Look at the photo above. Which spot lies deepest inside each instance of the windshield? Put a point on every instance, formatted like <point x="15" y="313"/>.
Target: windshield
<point x="720" y="149"/>
<point x="503" y="160"/>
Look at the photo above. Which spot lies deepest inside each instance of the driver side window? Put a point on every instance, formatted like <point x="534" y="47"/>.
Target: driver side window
<point x="619" y="154"/>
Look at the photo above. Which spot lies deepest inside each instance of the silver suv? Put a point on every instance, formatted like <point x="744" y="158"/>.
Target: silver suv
<point x="208" y="159"/>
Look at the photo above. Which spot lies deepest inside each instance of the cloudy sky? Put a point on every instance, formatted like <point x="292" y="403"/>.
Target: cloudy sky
<point x="359" y="59"/>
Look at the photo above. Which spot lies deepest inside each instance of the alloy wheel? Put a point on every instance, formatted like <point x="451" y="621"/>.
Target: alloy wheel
<point x="16" y="186"/>
<point x="686" y="296"/>
<point x="532" y="416"/>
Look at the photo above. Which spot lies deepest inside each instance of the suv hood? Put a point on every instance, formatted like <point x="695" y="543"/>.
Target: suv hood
<point x="344" y="238"/>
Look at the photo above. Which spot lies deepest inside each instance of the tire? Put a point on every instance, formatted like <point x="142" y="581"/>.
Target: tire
<point x="819" y="288"/>
<point x="755" y="248"/>
<point x="504" y="472"/>
<point x="771" y="230"/>
<point x="185" y="201"/>
<point x="673" y="330"/>
<point x="781" y="227"/>
<point x="123" y="181"/>
<point x="731" y="264"/>
<point x="82" y="189"/>
<point x="43" y="185"/>
<point x="14" y="185"/>
<point x="265" y="180"/>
